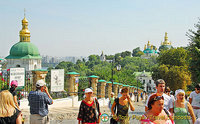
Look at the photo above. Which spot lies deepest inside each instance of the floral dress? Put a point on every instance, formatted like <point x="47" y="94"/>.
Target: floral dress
<point x="181" y="115"/>
<point x="87" y="112"/>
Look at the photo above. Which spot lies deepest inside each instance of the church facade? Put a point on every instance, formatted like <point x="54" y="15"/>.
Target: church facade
<point x="149" y="51"/>
<point x="24" y="54"/>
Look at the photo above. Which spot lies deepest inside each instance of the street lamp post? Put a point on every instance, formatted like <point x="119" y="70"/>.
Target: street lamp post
<point x="112" y="73"/>
<point x="137" y="91"/>
<point x="118" y="69"/>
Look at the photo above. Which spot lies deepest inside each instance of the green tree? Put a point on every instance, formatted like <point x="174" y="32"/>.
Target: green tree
<point x="109" y="57"/>
<point x="93" y="60"/>
<point x="125" y="53"/>
<point x="194" y="48"/>
<point x="176" y="77"/>
<point x="173" y="67"/>
<point x="137" y="52"/>
<point x="139" y="63"/>
<point x="178" y="57"/>
<point x="163" y="48"/>
<point x="67" y="66"/>
<point x="117" y="57"/>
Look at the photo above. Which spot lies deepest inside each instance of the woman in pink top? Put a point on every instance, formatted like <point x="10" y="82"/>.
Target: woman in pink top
<point x="156" y="114"/>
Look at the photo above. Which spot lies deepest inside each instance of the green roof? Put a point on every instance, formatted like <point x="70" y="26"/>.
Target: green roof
<point x="125" y="85"/>
<point x="24" y="50"/>
<point x="72" y="73"/>
<point x="40" y="70"/>
<point x="115" y="83"/>
<point x="139" y="73"/>
<point x="148" y="50"/>
<point x="101" y="81"/>
<point x="93" y="76"/>
<point x="109" y="82"/>
<point x="120" y="84"/>
<point x="83" y="77"/>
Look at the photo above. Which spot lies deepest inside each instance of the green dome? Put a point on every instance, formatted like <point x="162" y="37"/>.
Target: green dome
<point x="24" y="50"/>
<point x="151" y="51"/>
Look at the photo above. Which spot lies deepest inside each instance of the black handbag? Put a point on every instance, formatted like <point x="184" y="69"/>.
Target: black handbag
<point x="112" y="120"/>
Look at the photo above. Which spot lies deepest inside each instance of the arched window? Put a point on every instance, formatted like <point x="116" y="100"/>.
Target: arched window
<point x="35" y="67"/>
<point x="18" y="66"/>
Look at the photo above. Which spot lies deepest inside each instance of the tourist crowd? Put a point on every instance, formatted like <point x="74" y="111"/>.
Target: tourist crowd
<point x="161" y="107"/>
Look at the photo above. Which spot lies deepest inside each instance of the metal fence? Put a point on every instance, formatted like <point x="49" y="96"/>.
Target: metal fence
<point x="4" y="81"/>
<point x="22" y="92"/>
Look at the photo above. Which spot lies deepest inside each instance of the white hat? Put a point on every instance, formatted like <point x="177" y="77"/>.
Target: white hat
<point x="40" y="83"/>
<point x="179" y="91"/>
<point x="88" y="90"/>
<point x="112" y="93"/>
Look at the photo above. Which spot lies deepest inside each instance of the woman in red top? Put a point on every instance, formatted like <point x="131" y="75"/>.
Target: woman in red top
<point x="87" y="111"/>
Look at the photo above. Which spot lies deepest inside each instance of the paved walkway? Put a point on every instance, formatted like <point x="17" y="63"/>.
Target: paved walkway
<point x="68" y="115"/>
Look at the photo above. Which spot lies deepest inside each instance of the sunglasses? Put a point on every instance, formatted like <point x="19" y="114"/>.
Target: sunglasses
<point x="152" y="100"/>
<point x="158" y="98"/>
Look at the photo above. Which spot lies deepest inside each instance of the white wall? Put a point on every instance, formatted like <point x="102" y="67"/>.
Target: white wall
<point x="28" y="64"/>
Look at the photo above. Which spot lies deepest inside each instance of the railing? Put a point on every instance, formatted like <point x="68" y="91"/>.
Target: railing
<point x="4" y="80"/>
<point x="22" y="92"/>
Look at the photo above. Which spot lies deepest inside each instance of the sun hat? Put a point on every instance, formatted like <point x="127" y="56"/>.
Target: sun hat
<point x="88" y="90"/>
<point x="40" y="83"/>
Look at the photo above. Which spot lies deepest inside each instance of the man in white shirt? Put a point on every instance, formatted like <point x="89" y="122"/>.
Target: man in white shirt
<point x="194" y="100"/>
<point x="160" y="86"/>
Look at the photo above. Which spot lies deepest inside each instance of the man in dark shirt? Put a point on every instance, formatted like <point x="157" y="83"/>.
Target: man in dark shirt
<point x="39" y="101"/>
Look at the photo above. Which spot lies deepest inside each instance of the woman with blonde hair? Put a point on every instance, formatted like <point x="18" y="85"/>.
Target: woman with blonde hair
<point x="9" y="114"/>
<point x="182" y="110"/>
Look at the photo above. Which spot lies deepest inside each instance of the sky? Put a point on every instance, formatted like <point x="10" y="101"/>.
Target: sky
<point x="85" y="27"/>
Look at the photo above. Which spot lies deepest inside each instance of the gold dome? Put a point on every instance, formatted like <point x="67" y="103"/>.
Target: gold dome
<point x="148" y="44"/>
<point x="24" y="33"/>
<point x="151" y="47"/>
<point x="24" y="20"/>
<point x="166" y="42"/>
<point x="145" y="47"/>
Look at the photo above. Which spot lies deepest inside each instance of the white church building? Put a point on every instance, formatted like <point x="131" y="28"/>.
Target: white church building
<point x="24" y="54"/>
